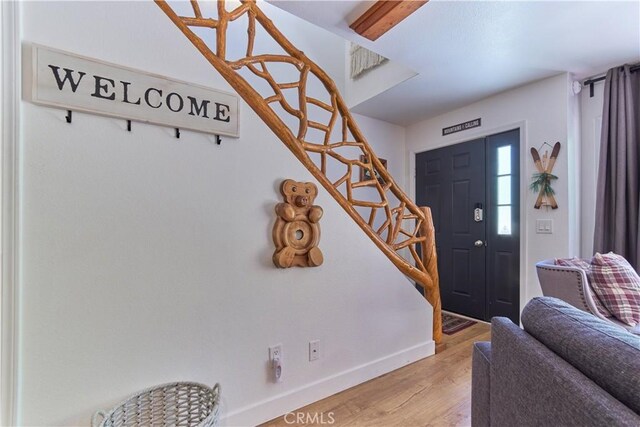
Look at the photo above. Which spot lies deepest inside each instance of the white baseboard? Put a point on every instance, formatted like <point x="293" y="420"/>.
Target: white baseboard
<point x="283" y="403"/>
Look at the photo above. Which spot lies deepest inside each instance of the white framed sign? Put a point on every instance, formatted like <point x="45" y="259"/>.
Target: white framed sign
<point x="64" y="80"/>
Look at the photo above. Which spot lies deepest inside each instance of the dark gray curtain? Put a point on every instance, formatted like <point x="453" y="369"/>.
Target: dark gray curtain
<point x="617" y="200"/>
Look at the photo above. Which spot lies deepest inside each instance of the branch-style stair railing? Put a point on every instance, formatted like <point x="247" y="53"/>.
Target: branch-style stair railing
<point x="404" y="227"/>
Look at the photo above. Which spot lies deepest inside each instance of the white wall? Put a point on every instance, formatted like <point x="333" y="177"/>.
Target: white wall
<point x="540" y="110"/>
<point x="147" y="259"/>
<point x="591" y="125"/>
<point x="574" y="169"/>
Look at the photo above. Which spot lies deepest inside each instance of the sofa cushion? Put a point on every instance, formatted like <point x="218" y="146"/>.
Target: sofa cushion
<point x="617" y="285"/>
<point x="608" y="355"/>
<point x="584" y="266"/>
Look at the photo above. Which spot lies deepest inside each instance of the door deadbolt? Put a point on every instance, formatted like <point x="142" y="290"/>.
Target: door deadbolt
<point x="478" y="213"/>
<point x="479" y="243"/>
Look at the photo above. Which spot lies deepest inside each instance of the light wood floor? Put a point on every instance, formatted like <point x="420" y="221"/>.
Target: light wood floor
<point x="435" y="391"/>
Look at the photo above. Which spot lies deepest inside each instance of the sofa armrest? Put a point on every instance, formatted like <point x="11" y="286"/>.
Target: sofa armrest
<point x="531" y="385"/>
<point x="605" y="353"/>
<point x="481" y="384"/>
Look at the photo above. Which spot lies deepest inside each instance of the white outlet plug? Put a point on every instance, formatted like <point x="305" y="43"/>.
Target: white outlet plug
<point x="314" y="350"/>
<point x="275" y="357"/>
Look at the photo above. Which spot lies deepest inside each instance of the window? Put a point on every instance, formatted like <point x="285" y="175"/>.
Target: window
<point x="503" y="183"/>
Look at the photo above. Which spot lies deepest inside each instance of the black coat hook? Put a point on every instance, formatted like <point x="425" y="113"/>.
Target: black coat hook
<point x="218" y="140"/>
<point x="129" y="125"/>
<point x="178" y="133"/>
<point x="68" y="117"/>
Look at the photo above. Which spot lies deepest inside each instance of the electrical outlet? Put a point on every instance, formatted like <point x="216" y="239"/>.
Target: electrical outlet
<point x="314" y="350"/>
<point x="275" y="357"/>
<point x="275" y="352"/>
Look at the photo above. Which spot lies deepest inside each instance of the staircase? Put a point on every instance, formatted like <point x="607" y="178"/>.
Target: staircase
<point x="401" y="230"/>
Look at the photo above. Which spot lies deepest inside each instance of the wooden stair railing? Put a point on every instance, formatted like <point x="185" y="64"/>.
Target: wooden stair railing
<point x="405" y="227"/>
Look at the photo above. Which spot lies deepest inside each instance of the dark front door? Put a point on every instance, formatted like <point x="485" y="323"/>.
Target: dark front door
<point x="473" y="191"/>
<point x="451" y="181"/>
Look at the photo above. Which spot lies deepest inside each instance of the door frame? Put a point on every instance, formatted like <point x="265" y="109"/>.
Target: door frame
<point x="483" y="133"/>
<point x="10" y="64"/>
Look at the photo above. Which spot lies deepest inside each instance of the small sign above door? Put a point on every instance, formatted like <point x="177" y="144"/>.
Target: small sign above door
<point x="462" y="126"/>
<point x="72" y="82"/>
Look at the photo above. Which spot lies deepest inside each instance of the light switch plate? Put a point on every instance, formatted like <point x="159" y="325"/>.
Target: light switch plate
<point x="544" y="226"/>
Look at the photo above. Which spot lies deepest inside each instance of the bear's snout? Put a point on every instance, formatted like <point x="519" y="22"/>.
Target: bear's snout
<point x="302" y="201"/>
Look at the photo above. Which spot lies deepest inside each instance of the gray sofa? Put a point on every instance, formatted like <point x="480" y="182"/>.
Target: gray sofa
<point x="566" y="368"/>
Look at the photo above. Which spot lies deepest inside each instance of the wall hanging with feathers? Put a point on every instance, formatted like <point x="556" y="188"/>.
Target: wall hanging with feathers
<point x="541" y="180"/>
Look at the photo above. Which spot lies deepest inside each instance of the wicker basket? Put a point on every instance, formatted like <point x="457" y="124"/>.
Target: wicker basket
<point x="181" y="404"/>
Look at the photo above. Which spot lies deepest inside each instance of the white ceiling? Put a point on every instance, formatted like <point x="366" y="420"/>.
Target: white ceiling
<point x="464" y="51"/>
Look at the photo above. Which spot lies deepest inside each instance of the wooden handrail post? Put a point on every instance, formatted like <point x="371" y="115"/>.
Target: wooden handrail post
<point x="430" y="261"/>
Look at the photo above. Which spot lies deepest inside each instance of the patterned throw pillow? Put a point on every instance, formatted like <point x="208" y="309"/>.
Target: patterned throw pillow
<point x="618" y="286"/>
<point x="585" y="266"/>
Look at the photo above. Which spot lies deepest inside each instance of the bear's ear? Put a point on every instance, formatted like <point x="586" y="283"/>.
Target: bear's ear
<point x="286" y="186"/>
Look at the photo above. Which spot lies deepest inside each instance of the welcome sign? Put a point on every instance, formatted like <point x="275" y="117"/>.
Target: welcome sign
<point x="64" y="80"/>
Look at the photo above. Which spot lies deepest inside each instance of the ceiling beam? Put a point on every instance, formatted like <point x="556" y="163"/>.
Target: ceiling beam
<point x="383" y="16"/>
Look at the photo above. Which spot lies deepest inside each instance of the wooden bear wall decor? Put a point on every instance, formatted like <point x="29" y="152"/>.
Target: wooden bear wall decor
<point x="296" y="232"/>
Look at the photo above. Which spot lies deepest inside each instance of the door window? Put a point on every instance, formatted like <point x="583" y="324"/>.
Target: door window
<point x="503" y="182"/>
